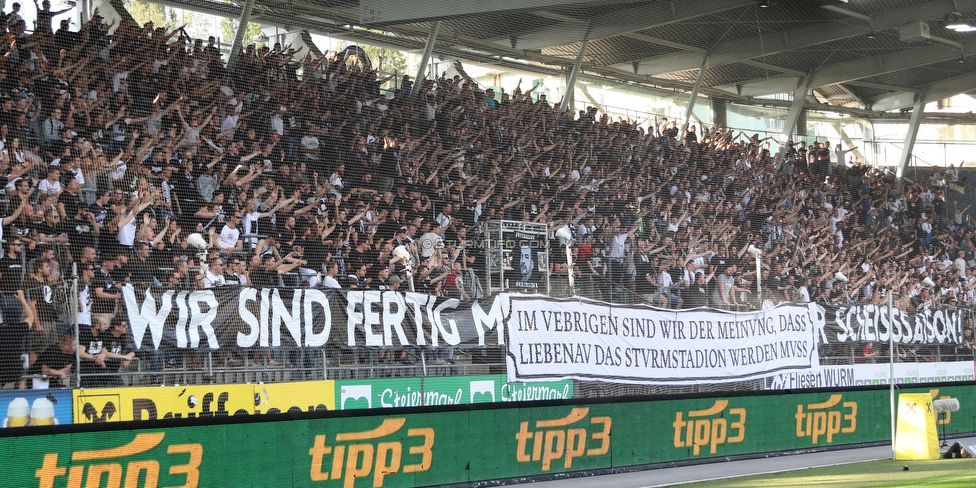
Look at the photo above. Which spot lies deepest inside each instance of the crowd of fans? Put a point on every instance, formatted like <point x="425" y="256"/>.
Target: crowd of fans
<point x="118" y="142"/>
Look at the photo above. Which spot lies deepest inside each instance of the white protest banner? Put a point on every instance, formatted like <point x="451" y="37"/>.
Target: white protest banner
<point x="576" y="338"/>
<point x="868" y="323"/>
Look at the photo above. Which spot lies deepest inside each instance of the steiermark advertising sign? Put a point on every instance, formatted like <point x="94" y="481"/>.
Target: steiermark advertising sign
<point x="449" y="390"/>
<point x="458" y="446"/>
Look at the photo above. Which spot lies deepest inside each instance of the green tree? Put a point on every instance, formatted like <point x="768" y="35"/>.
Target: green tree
<point x="228" y="29"/>
<point x="161" y="16"/>
<point x="386" y="61"/>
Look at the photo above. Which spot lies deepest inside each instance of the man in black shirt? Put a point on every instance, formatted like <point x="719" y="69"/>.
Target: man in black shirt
<point x="699" y="291"/>
<point x="70" y="199"/>
<point x="50" y="229"/>
<point x="357" y="279"/>
<point x="81" y="229"/>
<point x="11" y="269"/>
<point x="139" y="268"/>
<point x="23" y="227"/>
<point x="15" y="338"/>
<point x="100" y="207"/>
<point x="119" y="345"/>
<point x="261" y="277"/>
<point x="96" y="357"/>
<point x="44" y="16"/>
<point x="57" y="360"/>
<point x="92" y="352"/>
<point x="108" y="290"/>
<point x="404" y="235"/>
<point x="647" y="270"/>
<point x="314" y="251"/>
<point x="44" y="300"/>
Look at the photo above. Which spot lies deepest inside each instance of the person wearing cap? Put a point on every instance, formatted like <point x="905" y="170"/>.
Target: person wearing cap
<point x="401" y="237"/>
<point x="394" y="283"/>
<point x="382" y="279"/>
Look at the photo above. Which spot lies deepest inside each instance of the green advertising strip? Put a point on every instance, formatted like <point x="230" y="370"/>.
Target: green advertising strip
<point x="425" y="448"/>
<point x="448" y="390"/>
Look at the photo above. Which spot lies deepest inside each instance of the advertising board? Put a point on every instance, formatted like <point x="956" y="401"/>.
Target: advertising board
<point x="447" y="390"/>
<point x="24" y="408"/>
<point x="845" y="376"/>
<point x="436" y="445"/>
<point x="96" y="405"/>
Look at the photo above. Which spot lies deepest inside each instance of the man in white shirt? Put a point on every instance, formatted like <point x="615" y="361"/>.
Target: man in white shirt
<point x="310" y="144"/>
<point x="803" y="291"/>
<point x="229" y="239"/>
<point x="236" y="272"/>
<point x="588" y="227"/>
<point x="52" y="184"/>
<point x="617" y="250"/>
<point x="665" y="282"/>
<point x="927" y="197"/>
<point x="215" y="273"/>
<point x="444" y="218"/>
<point x="329" y="280"/>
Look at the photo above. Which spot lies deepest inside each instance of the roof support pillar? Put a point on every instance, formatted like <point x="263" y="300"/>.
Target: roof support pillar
<point x="569" y="99"/>
<point x="796" y="110"/>
<point x="235" y="49"/>
<point x="694" y="95"/>
<point x="720" y="113"/>
<point x="418" y="81"/>
<point x="913" y="124"/>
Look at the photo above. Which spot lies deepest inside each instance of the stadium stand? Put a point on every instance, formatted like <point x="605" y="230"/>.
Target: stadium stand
<point x="301" y="173"/>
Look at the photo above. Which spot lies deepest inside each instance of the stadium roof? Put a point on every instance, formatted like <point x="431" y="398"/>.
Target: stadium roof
<point x="858" y="56"/>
